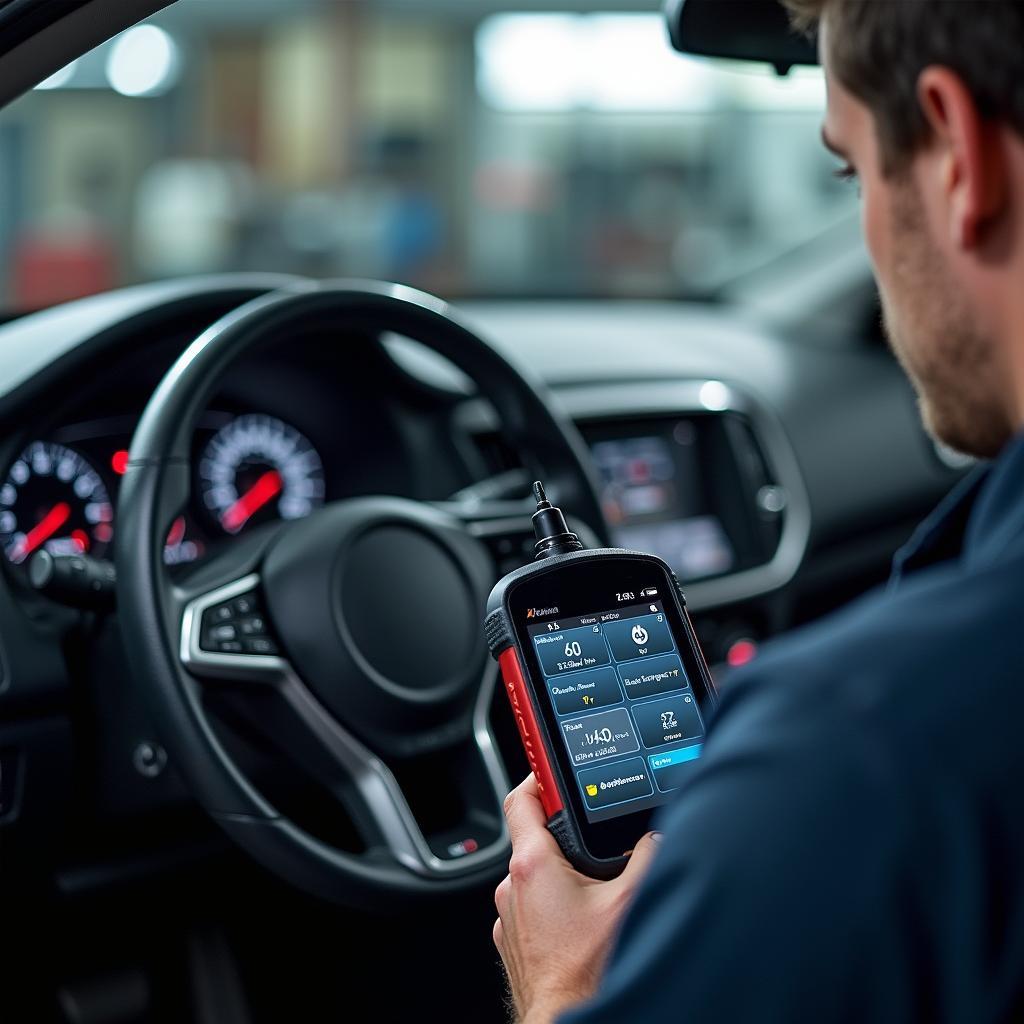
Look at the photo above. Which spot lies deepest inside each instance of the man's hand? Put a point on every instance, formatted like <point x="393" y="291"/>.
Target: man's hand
<point x="555" y="926"/>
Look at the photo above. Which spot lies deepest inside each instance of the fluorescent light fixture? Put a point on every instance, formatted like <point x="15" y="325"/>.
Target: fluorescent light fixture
<point x="530" y="61"/>
<point x="142" y="62"/>
<point x="59" y="79"/>
<point x="559" y="62"/>
<point x="630" y="66"/>
<point x="620" y="62"/>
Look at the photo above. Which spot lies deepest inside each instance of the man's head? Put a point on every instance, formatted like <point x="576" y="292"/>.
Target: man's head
<point x="926" y="106"/>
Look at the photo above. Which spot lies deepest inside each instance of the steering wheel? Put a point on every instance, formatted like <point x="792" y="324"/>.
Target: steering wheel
<point x="350" y="640"/>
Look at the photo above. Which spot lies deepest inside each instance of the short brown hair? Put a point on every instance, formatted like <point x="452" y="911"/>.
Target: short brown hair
<point x="878" y="49"/>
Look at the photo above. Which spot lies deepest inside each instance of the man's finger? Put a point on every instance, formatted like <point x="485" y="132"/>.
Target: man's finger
<point x="527" y="823"/>
<point x="639" y="860"/>
<point x="502" y="895"/>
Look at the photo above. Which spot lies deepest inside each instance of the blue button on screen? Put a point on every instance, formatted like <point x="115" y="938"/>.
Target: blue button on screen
<point x="670" y="768"/>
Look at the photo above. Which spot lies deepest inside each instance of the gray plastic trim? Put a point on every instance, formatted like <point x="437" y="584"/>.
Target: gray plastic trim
<point x="601" y="403"/>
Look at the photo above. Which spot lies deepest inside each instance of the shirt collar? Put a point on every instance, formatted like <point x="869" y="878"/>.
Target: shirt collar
<point x="996" y="526"/>
<point x="980" y="520"/>
<point x="941" y="535"/>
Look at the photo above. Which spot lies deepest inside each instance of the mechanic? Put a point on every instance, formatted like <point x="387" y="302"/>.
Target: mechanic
<point x="852" y="845"/>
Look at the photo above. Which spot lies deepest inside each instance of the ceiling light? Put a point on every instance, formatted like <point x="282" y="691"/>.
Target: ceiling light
<point x="143" y="62"/>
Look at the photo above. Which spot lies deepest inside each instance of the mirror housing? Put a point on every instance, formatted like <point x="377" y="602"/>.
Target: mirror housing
<point x="756" y="30"/>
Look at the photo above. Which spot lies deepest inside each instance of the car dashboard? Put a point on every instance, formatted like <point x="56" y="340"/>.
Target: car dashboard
<point x="775" y="477"/>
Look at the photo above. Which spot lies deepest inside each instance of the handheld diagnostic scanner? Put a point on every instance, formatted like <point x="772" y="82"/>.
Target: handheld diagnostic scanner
<point x="608" y="686"/>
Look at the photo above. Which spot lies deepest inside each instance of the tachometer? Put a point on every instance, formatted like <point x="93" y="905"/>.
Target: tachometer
<point x="257" y="468"/>
<point x="54" y="499"/>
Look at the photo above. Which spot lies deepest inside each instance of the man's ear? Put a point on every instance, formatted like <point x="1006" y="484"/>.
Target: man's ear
<point x="972" y="166"/>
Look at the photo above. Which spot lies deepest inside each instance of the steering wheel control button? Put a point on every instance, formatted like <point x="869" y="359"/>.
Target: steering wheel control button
<point x="585" y="691"/>
<point x="669" y="720"/>
<point x="671" y="767"/>
<point x="602" y="735"/>
<point x="638" y="637"/>
<point x="237" y="627"/>
<point x="569" y="650"/>
<point x="260" y="645"/>
<point x="653" y="675"/>
<point x="615" y="783"/>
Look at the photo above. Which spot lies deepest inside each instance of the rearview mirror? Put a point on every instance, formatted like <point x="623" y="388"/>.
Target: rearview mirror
<point x="738" y="30"/>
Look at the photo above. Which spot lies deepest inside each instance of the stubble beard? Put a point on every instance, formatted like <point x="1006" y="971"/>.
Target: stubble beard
<point x="934" y="335"/>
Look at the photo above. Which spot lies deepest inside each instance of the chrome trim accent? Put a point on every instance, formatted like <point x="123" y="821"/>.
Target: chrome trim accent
<point x="596" y="404"/>
<point x="372" y="777"/>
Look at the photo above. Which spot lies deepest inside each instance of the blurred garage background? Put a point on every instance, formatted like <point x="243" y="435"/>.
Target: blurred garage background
<point x="467" y="150"/>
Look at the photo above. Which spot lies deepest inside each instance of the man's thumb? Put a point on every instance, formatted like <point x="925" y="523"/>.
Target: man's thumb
<point x="640" y="858"/>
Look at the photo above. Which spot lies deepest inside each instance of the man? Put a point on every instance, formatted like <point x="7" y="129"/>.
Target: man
<point x="852" y="845"/>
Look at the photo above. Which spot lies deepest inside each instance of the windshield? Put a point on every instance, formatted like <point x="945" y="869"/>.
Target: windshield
<point x="437" y="143"/>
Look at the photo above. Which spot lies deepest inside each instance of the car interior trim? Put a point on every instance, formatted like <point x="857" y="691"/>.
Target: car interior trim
<point x="602" y="403"/>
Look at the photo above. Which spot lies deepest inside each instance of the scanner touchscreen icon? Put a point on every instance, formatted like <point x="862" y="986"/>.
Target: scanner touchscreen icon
<point x="591" y="789"/>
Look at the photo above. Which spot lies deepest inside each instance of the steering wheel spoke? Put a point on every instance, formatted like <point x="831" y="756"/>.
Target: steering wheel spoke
<point x="225" y="634"/>
<point x="221" y="636"/>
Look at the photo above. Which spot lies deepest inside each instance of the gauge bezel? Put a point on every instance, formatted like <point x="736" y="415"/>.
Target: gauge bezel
<point x="57" y="453"/>
<point x="301" y="448"/>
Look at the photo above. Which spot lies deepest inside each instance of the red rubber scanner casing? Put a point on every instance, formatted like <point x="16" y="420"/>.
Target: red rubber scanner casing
<point x="529" y="732"/>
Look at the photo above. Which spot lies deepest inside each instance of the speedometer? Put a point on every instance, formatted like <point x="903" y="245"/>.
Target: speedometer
<point x="54" y="499"/>
<point x="256" y="469"/>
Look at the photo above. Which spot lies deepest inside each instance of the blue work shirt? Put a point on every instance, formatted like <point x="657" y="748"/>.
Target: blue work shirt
<point x="851" y="846"/>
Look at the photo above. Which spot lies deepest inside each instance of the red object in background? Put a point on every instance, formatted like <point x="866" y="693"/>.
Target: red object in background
<point x="48" y="268"/>
<point x="119" y="461"/>
<point x="81" y="539"/>
<point x="740" y="653"/>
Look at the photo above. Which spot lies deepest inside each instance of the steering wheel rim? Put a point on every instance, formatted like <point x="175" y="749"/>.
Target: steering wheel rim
<point x="162" y="620"/>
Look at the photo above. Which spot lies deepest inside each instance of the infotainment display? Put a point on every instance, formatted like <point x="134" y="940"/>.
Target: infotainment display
<point x="656" y="498"/>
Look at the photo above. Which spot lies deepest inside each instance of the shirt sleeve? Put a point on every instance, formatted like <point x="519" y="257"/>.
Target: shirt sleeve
<point x="762" y="903"/>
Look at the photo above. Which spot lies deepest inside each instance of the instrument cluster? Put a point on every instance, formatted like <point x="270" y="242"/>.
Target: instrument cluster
<point x="59" y="494"/>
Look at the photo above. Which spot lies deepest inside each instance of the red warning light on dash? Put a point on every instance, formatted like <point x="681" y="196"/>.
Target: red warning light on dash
<point x="740" y="653"/>
<point x="119" y="461"/>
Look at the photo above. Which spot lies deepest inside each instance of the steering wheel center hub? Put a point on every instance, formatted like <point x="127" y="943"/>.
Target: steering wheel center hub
<point x="407" y="608"/>
<point x="377" y="601"/>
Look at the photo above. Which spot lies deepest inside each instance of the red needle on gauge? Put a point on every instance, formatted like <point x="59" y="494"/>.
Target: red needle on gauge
<point x="42" y="531"/>
<point x="237" y="515"/>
